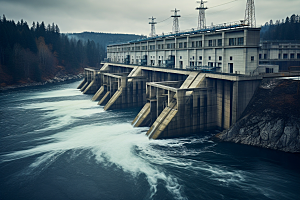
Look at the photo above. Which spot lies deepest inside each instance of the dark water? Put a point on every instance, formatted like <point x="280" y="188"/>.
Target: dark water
<point x="57" y="144"/>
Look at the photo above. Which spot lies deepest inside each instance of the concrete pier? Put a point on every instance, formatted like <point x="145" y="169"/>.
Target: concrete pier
<point x="174" y="103"/>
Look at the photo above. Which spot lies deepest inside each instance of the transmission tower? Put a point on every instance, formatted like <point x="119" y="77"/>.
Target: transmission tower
<point x="250" y="14"/>
<point x="201" y="18"/>
<point x="175" y="21"/>
<point x="152" y="34"/>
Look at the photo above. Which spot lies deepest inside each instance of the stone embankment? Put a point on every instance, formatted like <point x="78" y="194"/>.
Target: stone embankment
<point x="57" y="79"/>
<point x="271" y="120"/>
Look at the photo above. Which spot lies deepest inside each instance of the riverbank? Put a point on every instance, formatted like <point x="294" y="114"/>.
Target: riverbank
<point x="57" y="79"/>
<point x="271" y="120"/>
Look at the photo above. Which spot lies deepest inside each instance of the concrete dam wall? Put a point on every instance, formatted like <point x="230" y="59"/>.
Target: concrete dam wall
<point x="174" y="103"/>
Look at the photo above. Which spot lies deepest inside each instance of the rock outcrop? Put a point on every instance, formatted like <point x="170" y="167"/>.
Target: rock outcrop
<point x="271" y="120"/>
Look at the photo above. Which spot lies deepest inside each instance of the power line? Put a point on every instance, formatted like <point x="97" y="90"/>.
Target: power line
<point x="164" y="20"/>
<point x="223" y="4"/>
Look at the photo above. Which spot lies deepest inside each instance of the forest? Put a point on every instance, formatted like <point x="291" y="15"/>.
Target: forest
<point x="38" y="53"/>
<point x="105" y="39"/>
<point x="287" y="29"/>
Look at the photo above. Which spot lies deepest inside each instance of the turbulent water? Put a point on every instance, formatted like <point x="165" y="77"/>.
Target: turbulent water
<point x="55" y="143"/>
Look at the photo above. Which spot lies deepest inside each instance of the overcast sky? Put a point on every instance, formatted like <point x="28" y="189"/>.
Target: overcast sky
<point x="131" y="16"/>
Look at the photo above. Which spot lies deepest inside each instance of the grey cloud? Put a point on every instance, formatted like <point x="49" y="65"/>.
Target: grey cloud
<point x="131" y="16"/>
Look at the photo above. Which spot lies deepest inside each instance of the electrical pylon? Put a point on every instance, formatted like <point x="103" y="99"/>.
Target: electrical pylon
<point x="175" y="21"/>
<point x="201" y="17"/>
<point x="152" y="34"/>
<point x="250" y="14"/>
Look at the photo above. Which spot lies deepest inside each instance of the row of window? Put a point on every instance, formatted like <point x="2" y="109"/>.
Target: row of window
<point x="195" y="44"/>
<point x="284" y="56"/>
<point x="236" y="41"/>
<point x="192" y="58"/>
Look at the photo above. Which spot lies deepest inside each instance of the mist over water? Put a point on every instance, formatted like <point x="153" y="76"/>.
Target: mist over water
<point x="58" y="144"/>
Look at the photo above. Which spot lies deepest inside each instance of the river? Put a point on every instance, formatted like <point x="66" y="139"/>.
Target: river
<point x="55" y="143"/>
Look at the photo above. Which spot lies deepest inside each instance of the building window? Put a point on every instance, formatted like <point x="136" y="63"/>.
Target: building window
<point x="298" y="56"/>
<point x="185" y="45"/>
<point x="210" y="43"/>
<point x="152" y="47"/>
<point x="180" y="57"/>
<point x="269" y="70"/>
<point x="209" y="57"/>
<point x="158" y="46"/>
<point x="180" y="45"/>
<point x="162" y="46"/>
<point x="219" y="42"/>
<point x="193" y="44"/>
<point x="292" y="56"/>
<point x="230" y="58"/>
<point x="200" y="57"/>
<point x="279" y="56"/>
<point x="220" y="57"/>
<point x="193" y="57"/>
<point x="232" y="41"/>
<point x="241" y="41"/>
<point x="265" y="56"/>
<point x="168" y="46"/>
<point x="252" y="58"/>
<point x="259" y="56"/>
<point x="285" y="56"/>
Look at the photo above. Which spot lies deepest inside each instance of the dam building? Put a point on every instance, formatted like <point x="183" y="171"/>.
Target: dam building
<point x="226" y="48"/>
<point x="184" y="82"/>
<point x="285" y="54"/>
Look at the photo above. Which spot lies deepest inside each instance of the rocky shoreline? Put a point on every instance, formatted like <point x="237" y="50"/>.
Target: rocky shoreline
<point x="271" y="120"/>
<point x="57" y="79"/>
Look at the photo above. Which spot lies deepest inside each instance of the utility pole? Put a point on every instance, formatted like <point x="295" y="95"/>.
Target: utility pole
<point x="152" y="34"/>
<point x="250" y="14"/>
<point x="201" y="17"/>
<point x="175" y="21"/>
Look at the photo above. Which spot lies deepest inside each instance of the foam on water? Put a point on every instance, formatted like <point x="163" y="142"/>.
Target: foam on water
<point x="114" y="144"/>
<point x="62" y="113"/>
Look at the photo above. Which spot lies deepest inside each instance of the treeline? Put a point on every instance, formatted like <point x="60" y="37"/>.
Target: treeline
<point x="39" y="52"/>
<point x="105" y="39"/>
<point x="287" y="29"/>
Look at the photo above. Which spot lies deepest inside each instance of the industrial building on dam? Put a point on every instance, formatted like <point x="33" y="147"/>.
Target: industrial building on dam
<point x="186" y="82"/>
<point x="228" y="49"/>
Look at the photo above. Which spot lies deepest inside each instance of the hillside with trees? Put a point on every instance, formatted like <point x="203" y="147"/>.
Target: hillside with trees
<point x="38" y="53"/>
<point x="287" y="29"/>
<point x="104" y="39"/>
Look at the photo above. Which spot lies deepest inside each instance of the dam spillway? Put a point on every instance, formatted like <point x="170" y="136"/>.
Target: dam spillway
<point x="174" y="103"/>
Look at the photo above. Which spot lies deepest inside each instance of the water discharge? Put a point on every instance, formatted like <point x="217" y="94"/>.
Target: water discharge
<point x="62" y="126"/>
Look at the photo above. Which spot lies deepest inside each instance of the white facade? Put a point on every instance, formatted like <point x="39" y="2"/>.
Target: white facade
<point x="279" y="50"/>
<point x="282" y="53"/>
<point x="230" y="50"/>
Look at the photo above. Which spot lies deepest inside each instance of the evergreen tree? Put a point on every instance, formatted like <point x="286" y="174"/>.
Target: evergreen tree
<point x="39" y="52"/>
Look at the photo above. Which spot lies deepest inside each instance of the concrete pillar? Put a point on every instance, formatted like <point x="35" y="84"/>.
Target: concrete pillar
<point x="235" y="100"/>
<point x="181" y="109"/>
<point x="160" y="100"/>
<point x="124" y="82"/>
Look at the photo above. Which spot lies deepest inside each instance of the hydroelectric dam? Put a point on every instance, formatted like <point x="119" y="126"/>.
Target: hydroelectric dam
<point x="174" y="102"/>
